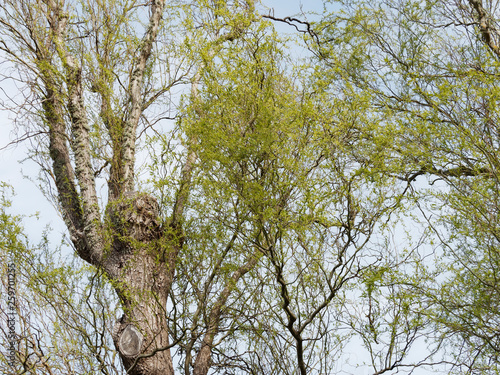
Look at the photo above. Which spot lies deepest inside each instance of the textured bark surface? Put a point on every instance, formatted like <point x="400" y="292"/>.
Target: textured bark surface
<point x="127" y="154"/>
<point x="142" y="278"/>
<point x="145" y="310"/>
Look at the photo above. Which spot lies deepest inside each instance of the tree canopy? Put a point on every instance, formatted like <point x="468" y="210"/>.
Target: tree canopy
<point x="240" y="200"/>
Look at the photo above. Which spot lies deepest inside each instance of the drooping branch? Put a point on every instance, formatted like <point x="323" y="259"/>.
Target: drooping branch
<point x="235" y="33"/>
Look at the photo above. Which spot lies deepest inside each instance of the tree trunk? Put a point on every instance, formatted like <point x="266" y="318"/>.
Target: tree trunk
<point x="141" y="266"/>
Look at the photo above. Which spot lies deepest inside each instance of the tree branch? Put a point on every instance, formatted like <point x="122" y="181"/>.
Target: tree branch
<point x="80" y="141"/>
<point x="488" y="30"/>
<point x="202" y="362"/>
<point x="135" y="96"/>
<point x="460" y="171"/>
<point x="290" y="21"/>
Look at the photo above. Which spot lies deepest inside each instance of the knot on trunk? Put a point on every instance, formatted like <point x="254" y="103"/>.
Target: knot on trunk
<point x="128" y="340"/>
<point x="135" y="216"/>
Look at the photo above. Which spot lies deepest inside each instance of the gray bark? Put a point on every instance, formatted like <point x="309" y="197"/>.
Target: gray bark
<point x="141" y="263"/>
<point x="136" y="97"/>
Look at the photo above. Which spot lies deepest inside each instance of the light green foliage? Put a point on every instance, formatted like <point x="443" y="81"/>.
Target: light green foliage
<point x="291" y="170"/>
<point x="280" y="184"/>
<point x="433" y="77"/>
<point x="64" y="310"/>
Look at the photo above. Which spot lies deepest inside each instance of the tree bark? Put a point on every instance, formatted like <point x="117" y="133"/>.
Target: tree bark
<point x="141" y="265"/>
<point x="486" y="27"/>
<point x="127" y="156"/>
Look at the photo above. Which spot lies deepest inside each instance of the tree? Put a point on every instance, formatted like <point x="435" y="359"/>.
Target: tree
<point x="287" y="168"/>
<point x="45" y="42"/>
<point x="266" y="199"/>
<point x="433" y="67"/>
